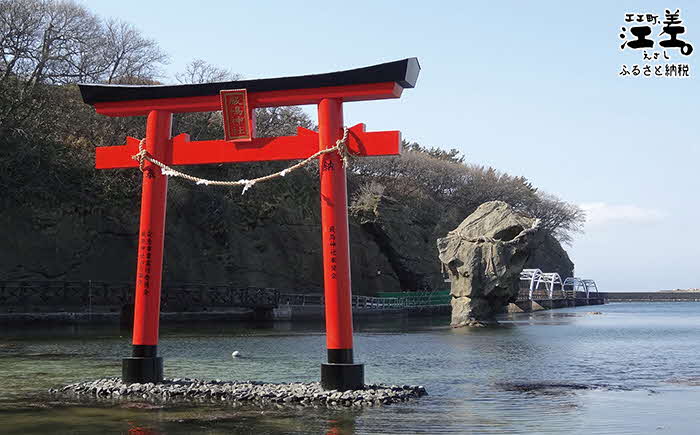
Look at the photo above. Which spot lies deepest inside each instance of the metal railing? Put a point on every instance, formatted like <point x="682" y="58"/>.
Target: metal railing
<point x="301" y="299"/>
<point x="369" y="302"/>
<point x="377" y="303"/>
<point x="85" y="295"/>
<point x="554" y="287"/>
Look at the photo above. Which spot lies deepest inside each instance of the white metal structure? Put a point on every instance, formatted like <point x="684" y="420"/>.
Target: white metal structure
<point x="532" y="275"/>
<point x="536" y="277"/>
<point x="584" y="284"/>
<point x="550" y="280"/>
<point x="589" y="283"/>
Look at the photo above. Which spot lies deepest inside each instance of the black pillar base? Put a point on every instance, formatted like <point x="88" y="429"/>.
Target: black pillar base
<point x="343" y="377"/>
<point x="142" y="370"/>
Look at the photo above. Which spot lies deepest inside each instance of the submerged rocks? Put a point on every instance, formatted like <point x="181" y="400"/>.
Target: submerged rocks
<point x="556" y="388"/>
<point x="484" y="256"/>
<point x="256" y="393"/>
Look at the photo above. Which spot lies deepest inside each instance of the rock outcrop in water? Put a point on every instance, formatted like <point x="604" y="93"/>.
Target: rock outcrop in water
<point x="484" y="256"/>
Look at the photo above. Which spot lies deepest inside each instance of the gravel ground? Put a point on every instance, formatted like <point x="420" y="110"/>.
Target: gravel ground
<point x="259" y="393"/>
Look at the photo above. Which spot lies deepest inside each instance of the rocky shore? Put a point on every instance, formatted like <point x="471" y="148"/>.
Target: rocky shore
<point x="252" y="392"/>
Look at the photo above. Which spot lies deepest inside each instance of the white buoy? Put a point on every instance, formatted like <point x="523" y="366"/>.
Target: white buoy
<point x="235" y="354"/>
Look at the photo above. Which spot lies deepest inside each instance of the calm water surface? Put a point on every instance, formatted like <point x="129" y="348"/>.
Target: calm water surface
<point x="631" y="369"/>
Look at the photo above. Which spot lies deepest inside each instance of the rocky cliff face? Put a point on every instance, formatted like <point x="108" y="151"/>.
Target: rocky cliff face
<point x="484" y="256"/>
<point x="549" y="256"/>
<point x="278" y="248"/>
<point x="214" y="239"/>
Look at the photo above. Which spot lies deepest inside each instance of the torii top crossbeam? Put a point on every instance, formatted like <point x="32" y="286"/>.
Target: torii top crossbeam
<point x="382" y="81"/>
<point x="386" y="80"/>
<point x="238" y="100"/>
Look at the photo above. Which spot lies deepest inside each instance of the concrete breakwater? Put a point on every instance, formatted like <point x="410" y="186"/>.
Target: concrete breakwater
<point x="251" y="392"/>
<point x="662" y="296"/>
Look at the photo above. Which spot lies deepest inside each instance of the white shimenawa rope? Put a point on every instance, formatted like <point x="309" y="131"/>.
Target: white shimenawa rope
<point x="143" y="155"/>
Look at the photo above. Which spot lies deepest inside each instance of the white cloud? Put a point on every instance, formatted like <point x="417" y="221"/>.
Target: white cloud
<point x="601" y="213"/>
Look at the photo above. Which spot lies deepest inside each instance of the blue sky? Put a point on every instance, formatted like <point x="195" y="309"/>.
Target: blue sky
<point x="531" y="88"/>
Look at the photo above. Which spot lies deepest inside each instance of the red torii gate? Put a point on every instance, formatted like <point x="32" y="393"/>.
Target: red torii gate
<point x="329" y="92"/>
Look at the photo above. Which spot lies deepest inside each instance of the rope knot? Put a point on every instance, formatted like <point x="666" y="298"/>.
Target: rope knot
<point x="142" y="155"/>
<point x="341" y="146"/>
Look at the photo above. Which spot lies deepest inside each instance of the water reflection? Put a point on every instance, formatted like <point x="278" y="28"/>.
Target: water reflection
<point x="141" y="430"/>
<point x="341" y="426"/>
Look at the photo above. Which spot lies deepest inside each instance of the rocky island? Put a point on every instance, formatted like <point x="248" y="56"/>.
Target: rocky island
<point x="484" y="256"/>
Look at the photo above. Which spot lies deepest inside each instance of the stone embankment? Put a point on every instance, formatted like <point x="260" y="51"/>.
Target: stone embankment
<point x="661" y="296"/>
<point x="251" y="392"/>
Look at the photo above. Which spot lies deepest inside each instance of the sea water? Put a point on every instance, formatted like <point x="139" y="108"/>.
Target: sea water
<point x="615" y="369"/>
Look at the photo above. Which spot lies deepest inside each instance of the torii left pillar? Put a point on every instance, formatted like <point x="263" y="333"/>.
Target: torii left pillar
<point x="145" y="365"/>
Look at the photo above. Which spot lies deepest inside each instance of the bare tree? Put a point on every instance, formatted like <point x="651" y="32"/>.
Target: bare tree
<point x="128" y="55"/>
<point x="58" y="42"/>
<point x="66" y="29"/>
<point x="200" y="71"/>
<point x="560" y="218"/>
<point x="281" y="121"/>
<point x="19" y="28"/>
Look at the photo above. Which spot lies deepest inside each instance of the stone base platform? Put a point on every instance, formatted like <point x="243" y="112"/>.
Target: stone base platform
<point x="251" y="392"/>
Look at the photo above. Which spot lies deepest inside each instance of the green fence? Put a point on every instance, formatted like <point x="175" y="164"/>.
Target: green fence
<point x="420" y="298"/>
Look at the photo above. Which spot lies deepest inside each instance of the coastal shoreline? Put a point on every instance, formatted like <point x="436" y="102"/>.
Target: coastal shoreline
<point x="660" y="296"/>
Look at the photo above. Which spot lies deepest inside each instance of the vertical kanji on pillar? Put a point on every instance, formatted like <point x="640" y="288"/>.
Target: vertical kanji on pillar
<point x="145" y="365"/>
<point x="340" y="373"/>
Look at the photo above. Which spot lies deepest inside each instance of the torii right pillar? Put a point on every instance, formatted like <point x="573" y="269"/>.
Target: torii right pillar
<point x="341" y="372"/>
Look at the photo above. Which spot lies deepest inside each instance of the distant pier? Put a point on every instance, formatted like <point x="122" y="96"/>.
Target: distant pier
<point x="546" y="291"/>
<point x="526" y="306"/>
<point x="661" y="296"/>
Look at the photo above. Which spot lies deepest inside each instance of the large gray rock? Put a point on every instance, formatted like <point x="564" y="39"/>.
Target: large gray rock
<point x="484" y="256"/>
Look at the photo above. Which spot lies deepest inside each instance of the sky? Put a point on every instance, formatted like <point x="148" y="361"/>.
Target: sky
<point x="530" y="88"/>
